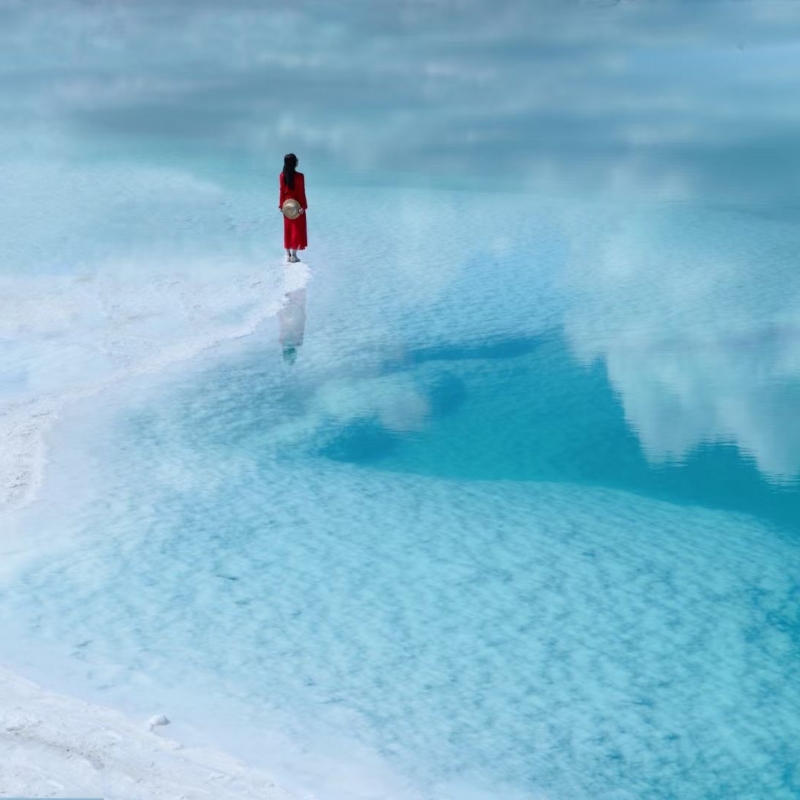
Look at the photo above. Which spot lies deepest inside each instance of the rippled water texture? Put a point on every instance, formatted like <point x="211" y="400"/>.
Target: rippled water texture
<point x="498" y="498"/>
<point x="456" y="552"/>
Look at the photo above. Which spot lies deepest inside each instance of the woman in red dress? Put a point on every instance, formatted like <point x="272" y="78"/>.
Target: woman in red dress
<point x="293" y="185"/>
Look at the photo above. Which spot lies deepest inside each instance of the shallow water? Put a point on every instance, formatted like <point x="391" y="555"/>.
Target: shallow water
<point x="437" y="548"/>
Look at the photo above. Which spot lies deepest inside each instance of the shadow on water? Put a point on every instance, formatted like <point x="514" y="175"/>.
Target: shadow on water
<point x="525" y="409"/>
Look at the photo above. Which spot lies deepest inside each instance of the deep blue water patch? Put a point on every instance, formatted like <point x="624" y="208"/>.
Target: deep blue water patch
<point x="525" y="409"/>
<point x="364" y="441"/>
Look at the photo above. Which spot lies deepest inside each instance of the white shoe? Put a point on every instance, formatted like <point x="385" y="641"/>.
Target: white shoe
<point x="288" y="258"/>
<point x="295" y="259"/>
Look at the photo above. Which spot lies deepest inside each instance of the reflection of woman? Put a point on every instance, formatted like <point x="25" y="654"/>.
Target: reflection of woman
<point x="292" y="321"/>
<point x="293" y="186"/>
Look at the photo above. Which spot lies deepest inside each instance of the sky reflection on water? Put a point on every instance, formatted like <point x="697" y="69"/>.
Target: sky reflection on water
<point x="695" y="315"/>
<point x="668" y="99"/>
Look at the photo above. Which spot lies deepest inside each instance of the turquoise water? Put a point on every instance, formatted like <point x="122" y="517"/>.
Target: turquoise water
<point x="498" y="497"/>
<point x="436" y="549"/>
<point x="525" y="410"/>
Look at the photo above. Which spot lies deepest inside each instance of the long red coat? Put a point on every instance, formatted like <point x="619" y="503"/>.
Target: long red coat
<point x="295" y="231"/>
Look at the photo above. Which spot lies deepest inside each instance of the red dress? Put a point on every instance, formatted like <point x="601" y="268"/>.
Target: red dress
<point x="295" y="231"/>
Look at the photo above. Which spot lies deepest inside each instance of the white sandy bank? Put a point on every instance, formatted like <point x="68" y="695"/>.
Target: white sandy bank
<point x="56" y="746"/>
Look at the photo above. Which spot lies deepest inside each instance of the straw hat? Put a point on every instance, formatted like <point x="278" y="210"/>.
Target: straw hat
<point x="291" y="209"/>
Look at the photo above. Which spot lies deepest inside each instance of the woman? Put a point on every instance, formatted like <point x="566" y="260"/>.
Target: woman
<point x="293" y="186"/>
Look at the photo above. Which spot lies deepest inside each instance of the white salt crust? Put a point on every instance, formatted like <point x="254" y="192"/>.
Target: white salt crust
<point x="56" y="746"/>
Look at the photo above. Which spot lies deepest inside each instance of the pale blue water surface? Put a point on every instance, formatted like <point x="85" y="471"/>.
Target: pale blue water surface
<point x="499" y="498"/>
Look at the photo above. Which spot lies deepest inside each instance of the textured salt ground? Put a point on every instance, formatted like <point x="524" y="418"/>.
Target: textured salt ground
<point x="56" y="746"/>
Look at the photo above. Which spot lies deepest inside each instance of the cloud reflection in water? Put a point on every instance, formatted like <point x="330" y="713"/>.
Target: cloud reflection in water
<point x="670" y="99"/>
<point x="694" y="314"/>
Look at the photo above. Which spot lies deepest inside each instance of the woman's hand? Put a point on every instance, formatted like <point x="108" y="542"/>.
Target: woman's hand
<point x="302" y="211"/>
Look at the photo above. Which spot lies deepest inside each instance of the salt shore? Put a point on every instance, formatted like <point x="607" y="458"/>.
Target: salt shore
<point x="56" y="746"/>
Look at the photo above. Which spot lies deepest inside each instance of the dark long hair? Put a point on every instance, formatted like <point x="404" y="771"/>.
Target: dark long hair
<point x="289" y="167"/>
